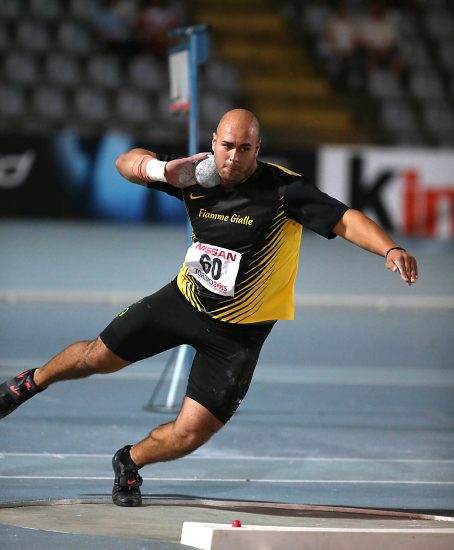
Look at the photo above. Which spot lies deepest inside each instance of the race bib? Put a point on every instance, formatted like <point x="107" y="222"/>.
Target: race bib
<point x="214" y="267"/>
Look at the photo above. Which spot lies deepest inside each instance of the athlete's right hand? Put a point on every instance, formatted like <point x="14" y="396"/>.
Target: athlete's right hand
<point x="180" y="172"/>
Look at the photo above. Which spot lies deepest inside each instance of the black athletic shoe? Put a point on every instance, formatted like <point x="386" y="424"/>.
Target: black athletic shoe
<point x="126" y="490"/>
<point x="16" y="391"/>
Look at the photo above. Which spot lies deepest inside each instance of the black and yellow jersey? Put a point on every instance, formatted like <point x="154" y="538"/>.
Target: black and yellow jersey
<point x="262" y="218"/>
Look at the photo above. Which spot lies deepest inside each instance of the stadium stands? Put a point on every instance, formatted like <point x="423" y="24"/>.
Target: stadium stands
<point x="57" y="70"/>
<point x="413" y="106"/>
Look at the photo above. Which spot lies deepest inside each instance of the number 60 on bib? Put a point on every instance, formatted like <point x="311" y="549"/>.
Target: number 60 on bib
<point x="216" y="268"/>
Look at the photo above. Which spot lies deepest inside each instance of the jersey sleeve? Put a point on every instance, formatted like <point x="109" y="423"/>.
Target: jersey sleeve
<point x="162" y="185"/>
<point x="308" y="205"/>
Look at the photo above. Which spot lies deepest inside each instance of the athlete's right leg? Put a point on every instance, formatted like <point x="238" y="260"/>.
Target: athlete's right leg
<point x="143" y="329"/>
<point x="78" y="360"/>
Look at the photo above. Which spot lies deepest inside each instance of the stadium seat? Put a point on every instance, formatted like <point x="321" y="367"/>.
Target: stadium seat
<point x="314" y="17"/>
<point x="49" y="103"/>
<point x="398" y="116"/>
<point x="439" y="24"/>
<point x="11" y="10"/>
<point x="74" y="38"/>
<point x="63" y="69"/>
<point x="5" y="42"/>
<point x="104" y="71"/>
<point x="134" y="107"/>
<point x="446" y="55"/>
<point x="414" y="53"/>
<point x="222" y="76"/>
<point x="21" y="67"/>
<point x="148" y="74"/>
<point x="439" y="120"/>
<point x="84" y="9"/>
<point x="426" y="85"/>
<point x="431" y="4"/>
<point x="383" y="84"/>
<point x="92" y="105"/>
<point x="12" y="102"/>
<point x="406" y="24"/>
<point x="49" y="10"/>
<point x="33" y="35"/>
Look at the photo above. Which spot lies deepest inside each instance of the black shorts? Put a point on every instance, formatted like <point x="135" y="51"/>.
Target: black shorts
<point x="226" y="353"/>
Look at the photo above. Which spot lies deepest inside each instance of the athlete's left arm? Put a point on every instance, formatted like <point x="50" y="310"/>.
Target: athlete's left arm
<point x="357" y="228"/>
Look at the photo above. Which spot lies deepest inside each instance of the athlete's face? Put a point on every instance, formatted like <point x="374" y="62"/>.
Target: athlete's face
<point x="235" y="145"/>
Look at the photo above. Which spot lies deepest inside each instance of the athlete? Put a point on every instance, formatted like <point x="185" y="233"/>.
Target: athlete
<point x="236" y="281"/>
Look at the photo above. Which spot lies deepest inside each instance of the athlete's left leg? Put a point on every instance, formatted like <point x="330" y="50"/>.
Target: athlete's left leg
<point x="219" y="380"/>
<point x="193" y="427"/>
<point x="220" y="376"/>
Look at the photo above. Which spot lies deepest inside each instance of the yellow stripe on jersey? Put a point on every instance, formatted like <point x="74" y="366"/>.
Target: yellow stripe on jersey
<point x="268" y="293"/>
<point x="286" y="170"/>
<point x="261" y="257"/>
<point x="275" y="236"/>
<point x="264" y="255"/>
<point x="188" y="288"/>
<point x="266" y="261"/>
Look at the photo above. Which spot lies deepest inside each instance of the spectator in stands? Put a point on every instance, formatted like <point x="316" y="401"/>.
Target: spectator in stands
<point x="377" y="38"/>
<point x="115" y="25"/>
<point x="155" y="21"/>
<point x="341" y="46"/>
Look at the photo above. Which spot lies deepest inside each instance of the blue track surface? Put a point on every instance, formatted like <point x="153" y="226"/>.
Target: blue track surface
<point x="349" y="406"/>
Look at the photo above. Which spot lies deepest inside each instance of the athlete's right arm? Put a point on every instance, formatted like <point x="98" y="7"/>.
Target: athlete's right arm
<point x="132" y="165"/>
<point x="142" y="166"/>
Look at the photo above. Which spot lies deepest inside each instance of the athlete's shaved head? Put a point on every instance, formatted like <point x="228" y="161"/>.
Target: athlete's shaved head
<point x="240" y="118"/>
<point x="236" y="144"/>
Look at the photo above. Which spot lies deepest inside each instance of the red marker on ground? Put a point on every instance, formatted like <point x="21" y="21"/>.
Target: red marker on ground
<point x="236" y="523"/>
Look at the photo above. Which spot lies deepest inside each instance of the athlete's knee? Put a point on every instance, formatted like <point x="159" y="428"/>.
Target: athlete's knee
<point x="194" y="426"/>
<point x="98" y="359"/>
<point x="189" y="439"/>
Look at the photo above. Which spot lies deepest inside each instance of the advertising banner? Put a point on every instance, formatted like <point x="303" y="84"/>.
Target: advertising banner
<point x="409" y="191"/>
<point x="70" y="176"/>
<point x="405" y="190"/>
<point x="30" y="183"/>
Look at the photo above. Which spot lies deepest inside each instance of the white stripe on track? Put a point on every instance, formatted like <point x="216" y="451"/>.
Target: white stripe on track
<point x="362" y="301"/>
<point x="242" y="480"/>
<point x="63" y="456"/>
